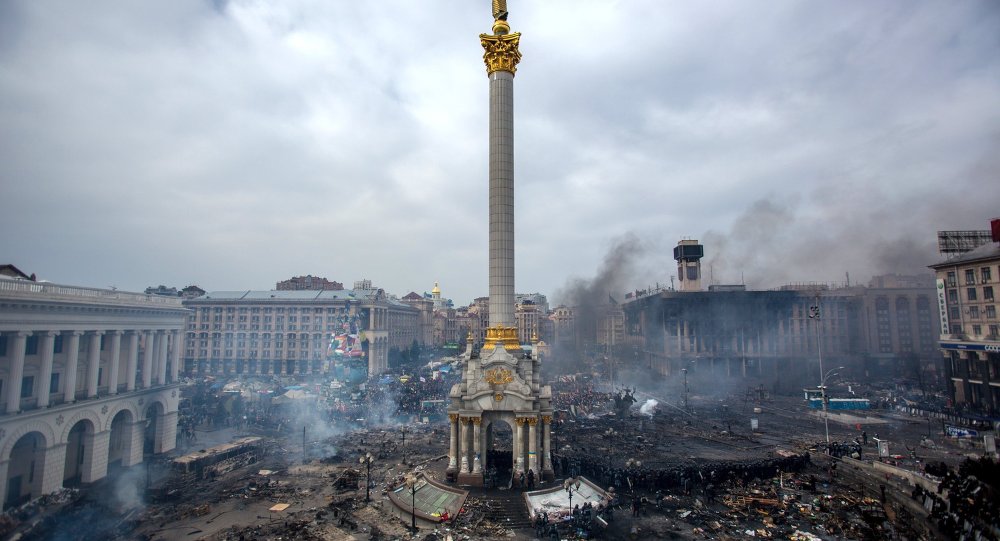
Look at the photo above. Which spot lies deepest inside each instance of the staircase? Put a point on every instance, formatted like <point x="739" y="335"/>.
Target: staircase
<point x="505" y="508"/>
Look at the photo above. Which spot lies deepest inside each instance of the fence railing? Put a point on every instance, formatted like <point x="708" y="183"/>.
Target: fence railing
<point x="25" y="288"/>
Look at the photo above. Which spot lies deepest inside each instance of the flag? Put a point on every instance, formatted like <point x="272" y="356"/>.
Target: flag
<point x="612" y="300"/>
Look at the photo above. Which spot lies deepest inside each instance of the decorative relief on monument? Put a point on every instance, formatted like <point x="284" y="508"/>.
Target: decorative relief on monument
<point x="499" y="376"/>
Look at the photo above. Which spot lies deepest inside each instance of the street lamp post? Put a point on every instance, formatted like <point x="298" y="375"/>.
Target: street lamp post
<point x="685" y="370"/>
<point x="411" y="484"/>
<point x="569" y="485"/>
<point x="402" y="431"/>
<point x="630" y="466"/>
<point x="822" y="390"/>
<point x="610" y="435"/>
<point x="367" y="460"/>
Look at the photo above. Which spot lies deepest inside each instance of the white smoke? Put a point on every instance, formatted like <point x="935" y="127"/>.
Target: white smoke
<point x="649" y="407"/>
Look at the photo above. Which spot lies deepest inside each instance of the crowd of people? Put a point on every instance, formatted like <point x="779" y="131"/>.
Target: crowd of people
<point x="964" y="506"/>
<point x="681" y="478"/>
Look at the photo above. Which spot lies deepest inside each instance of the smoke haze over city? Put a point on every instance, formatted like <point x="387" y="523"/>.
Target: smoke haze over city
<point x="234" y="144"/>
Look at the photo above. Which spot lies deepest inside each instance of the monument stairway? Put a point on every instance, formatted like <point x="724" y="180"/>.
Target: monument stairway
<point x="505" y="508"/>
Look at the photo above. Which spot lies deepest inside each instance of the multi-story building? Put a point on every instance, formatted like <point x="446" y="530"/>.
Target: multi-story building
<point x="563" y="326"/>
<point x="425" y="320"/>
<point x="88" y="380"/>
<point x="527" y="316"/>
<point x="308" y="283"/>
<point x="783" y="333"/>
<point x="290" y="332"/>
<point x="968" y="325"/>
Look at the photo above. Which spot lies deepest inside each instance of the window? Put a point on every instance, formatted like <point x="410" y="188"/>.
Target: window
<point x="974" y="312"/>
<point x="987" y="293"/>
<point x="54" y="384"/>
<point x="57" y="345"/>
<point x="991" y="311"/>
<point x="970" y="293"/>
<point x="27" y="386"/>
<point x="970" y="276"/>
<point x="954" y="314"/>
<point x="994" y="331"/>
<point x="31" y="346"/>
<point x="952" y="281"/>
<point x="986" y="274"/>
<point x="3" y="345"/>
<point x="977" y="330"/>
<point x="953" y="296"/>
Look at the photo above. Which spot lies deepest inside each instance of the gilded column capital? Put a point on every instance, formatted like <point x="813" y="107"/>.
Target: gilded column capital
<point x="477" y="421"/>
<point x="547" y="419"/>
<point x="501" y="52"/>
<point x="532" y="421"/>
<point x="519" y="421"/>
<point x="453" y="417"/>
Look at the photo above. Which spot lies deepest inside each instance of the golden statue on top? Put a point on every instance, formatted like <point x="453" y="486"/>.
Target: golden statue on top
<point x="500" y="10"/>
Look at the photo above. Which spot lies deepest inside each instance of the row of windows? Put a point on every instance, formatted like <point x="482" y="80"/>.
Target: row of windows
<point x="985" y="277"/>
<point x="270" y="309"/>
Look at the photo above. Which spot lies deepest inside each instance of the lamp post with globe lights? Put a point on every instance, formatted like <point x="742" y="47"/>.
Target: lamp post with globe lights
<point x="411" y="485"/>
<point x="367" y="460"/>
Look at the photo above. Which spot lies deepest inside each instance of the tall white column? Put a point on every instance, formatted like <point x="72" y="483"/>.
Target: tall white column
<point x="501" y="194"/>
<point x="501" y="57"/>
<point x="16" y="371"/>
<point x="463" y="444"/>
<point x="519" y="445"/>
<point x="147" y="360"/>
<point x="93" y="363"/>
<point x="132" y="361"/>
<point x="116" y="349"/>
<point x="546" y="443"/>
<point x="72" y="366"/>
<point x="533" y="445"/>
<point x="177" y="341"/>
<point x="453" y="444"/>
<point x="45" y="379"/>
<point x="477" y="436"/>
<point x="161" y="373"/>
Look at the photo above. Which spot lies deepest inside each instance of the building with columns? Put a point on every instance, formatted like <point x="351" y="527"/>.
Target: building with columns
<point x="88" y="382"/>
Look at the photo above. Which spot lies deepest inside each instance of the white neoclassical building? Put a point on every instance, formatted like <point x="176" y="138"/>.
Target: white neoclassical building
<point x="88" y="381"/>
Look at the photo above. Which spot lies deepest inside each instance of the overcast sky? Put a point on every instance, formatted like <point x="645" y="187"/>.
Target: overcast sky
<point x="235" y="144"/>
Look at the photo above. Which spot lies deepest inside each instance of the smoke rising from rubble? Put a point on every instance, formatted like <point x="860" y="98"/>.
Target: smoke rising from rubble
<point x="588" y="296"/>
<point x="649" y="407"/>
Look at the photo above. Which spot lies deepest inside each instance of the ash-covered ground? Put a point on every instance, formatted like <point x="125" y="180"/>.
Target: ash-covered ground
<point x="694" y="472"/>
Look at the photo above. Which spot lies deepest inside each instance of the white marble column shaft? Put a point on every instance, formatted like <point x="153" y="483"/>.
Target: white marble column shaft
<point x="132" y="361"/>
<point x="501" y="194"/>
<point x="114" y="362"/>
<point x="93" y="362"/>
<point x="148" y="347"/>
<point x="47" y="349"/>
<point x="72" y="366"/>
<point x="16" y="375"/>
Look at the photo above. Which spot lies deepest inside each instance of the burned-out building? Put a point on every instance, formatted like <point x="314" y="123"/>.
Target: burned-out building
<point x="780" y="334"/>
